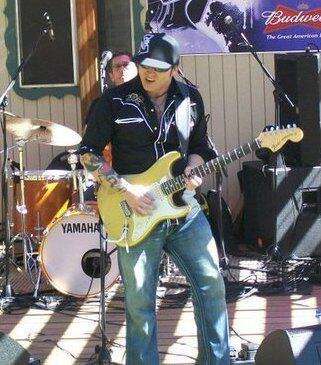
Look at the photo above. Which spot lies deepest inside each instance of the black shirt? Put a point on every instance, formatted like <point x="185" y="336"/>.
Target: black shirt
<point x="125" y="116"/>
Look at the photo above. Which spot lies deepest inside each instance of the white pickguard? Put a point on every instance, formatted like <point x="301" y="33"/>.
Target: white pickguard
<point x="163" y="210"/>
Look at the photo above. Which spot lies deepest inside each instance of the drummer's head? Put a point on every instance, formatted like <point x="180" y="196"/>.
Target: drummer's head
<point x="120" y="68"/>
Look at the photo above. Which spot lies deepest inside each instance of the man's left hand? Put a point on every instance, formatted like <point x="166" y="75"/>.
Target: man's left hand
<point x="192" y="182"/>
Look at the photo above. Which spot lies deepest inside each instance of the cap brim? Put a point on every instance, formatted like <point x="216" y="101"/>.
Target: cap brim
<point x="150" y="62"/>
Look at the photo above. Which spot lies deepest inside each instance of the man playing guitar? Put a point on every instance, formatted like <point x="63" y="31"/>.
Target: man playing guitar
<point x="139" y="119"/>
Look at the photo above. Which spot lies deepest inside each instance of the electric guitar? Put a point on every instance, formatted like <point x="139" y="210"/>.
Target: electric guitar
<point x="127" y="228"/>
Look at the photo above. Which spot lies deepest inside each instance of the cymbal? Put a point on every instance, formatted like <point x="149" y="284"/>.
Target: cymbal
<point x="41" y="130"/>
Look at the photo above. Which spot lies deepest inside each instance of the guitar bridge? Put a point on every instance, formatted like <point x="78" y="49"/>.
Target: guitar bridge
<point x="127" y="210"/>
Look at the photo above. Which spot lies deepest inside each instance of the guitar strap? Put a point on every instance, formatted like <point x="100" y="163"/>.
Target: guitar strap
<point x="182" y="117"/>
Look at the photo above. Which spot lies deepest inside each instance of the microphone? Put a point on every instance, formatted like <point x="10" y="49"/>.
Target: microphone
<point x="105" y="58"/>
<point x="228" y="21"/>
<point x="50" y="30"/>
<point x="13" y="164"/>
<point x="75" y="153"/>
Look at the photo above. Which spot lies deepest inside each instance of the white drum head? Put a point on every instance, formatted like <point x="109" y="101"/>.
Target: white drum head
<point x="70" y="255"/>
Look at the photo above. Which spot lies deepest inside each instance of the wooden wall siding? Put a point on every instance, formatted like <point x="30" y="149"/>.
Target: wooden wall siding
<point x="88" y="52"/>
<point x="65" y="111"/>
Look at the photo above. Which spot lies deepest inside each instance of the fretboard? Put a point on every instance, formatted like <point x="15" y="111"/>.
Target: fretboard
<point x="216" y="165"/>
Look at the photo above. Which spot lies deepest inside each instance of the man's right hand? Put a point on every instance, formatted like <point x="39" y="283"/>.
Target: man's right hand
<point x="139" y="199"/>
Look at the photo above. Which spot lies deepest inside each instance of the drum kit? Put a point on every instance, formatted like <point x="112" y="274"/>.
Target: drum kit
<point x="58" y="229"/>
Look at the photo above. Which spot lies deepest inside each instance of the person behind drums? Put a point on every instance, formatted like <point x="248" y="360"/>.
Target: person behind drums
<point x="120" y="68"/>
<point x="139" y="119"/>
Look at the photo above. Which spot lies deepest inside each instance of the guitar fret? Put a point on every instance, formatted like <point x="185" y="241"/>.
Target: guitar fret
<point x="228" y="158"/>
<point x="203" y="170"/>
<point x="167" y="188"/>
<point x="235" y="154"/>
<point x="217" y="166"/>
<point x="172" y="186"/>
<point x="163" y="188"/>
<point x="177" y="184"/>
<point x="250" y="147"/>
<point x="257" y="142"/>
<point x="221" y="161"/>
<point x="198" y="171"/>
<point x="182" y="181"/>
<point x="207" y="168"/>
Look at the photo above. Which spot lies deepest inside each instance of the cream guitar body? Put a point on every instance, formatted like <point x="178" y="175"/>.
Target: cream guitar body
<point x="121" y="221"/>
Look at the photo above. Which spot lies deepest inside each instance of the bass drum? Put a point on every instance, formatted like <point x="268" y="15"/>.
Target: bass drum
<point x="70" y="255"/>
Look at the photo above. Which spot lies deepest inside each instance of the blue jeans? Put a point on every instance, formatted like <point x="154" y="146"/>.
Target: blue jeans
<point x="191" y="246"/>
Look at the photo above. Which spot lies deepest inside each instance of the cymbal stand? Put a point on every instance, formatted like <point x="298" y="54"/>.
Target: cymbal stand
<point x="82" y="204"/>
<point x="21" y="208"/>
<point x="28" y="251"/>
<point x="6" y="294"/>
<point x="77" y="179"/>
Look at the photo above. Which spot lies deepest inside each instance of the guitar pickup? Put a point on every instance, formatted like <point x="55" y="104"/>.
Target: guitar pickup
<point x="127" y="210"/>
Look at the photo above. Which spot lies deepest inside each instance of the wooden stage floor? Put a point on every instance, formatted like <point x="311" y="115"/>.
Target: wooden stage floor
<point x="69" y="336"/>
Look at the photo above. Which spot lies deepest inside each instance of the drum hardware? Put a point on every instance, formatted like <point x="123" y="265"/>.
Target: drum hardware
<point x="38" y="228"/>
<point x="30" y="264"/>
<point x="7" y="294"/>
<point x="27" y="231"/>
<point x="72" y="160"/>
<point x="79" y="180"/>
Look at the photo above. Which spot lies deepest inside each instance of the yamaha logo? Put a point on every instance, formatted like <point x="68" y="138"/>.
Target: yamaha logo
<point x="80" y="227"/>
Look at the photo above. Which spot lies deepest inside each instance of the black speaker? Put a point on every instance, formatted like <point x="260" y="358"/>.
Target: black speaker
<point x="282" y="207"/>
<point x="297" y="346"/>
<point x="11" y="352"/>
<point x="299" y="76"/>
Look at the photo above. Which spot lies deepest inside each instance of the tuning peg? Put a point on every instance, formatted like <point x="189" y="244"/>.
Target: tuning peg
<point x="277" y="127"/>
<point x="289" y="126"/>
<point x="294" y="125"/>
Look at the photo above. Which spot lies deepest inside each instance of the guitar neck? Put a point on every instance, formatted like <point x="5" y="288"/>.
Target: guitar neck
<point x="216" y="165"/>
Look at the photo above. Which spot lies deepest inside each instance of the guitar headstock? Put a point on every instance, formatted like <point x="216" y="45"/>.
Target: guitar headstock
<point x="276" y="138"/>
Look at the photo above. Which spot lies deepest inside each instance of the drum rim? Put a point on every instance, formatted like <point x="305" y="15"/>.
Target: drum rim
<point x="45" y="240"/>
<point x="39" y="175"/>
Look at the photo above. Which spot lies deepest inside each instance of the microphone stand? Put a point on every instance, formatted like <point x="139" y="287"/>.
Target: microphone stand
<point x="224" y="262"/>
<point x="278" y="93"/>
<point x="102" y="353"/>
<point x="6" y="297"/>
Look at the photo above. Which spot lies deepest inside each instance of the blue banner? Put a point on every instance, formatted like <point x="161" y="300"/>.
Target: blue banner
<point x="209" y="26"/>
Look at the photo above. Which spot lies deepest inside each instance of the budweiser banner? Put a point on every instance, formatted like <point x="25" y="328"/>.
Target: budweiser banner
<point x="208" y="26"/>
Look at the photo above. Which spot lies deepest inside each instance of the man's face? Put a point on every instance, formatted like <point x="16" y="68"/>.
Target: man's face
<point x="154" y="81"/>
<point x="123" y="70"/>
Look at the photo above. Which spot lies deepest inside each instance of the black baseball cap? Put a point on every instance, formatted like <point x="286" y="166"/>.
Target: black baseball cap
<point x="158" y="50"/>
